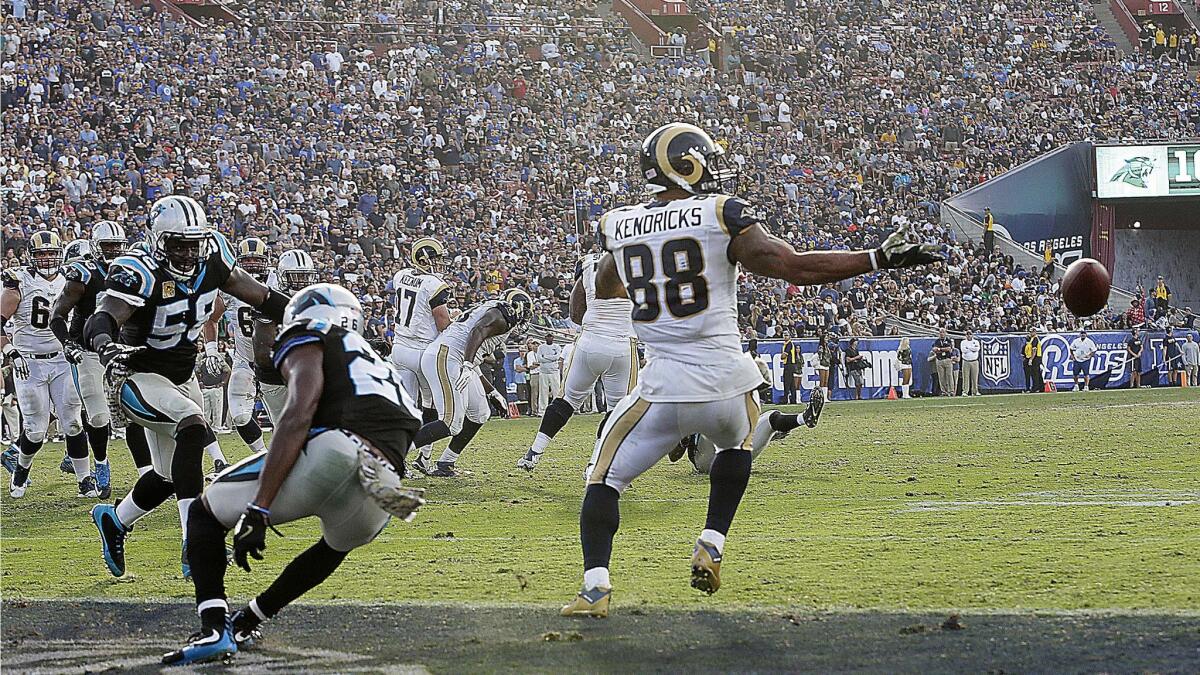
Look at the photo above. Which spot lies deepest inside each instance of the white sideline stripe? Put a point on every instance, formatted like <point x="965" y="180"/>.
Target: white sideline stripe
<point x="959" y="506"/>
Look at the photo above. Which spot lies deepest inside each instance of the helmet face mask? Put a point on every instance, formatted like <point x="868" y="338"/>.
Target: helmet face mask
<point x="520" y="304"/>
<point x="683" y="156"/>
<point x="181" y="254"/>
<point x="295" y="270"/>
<point x="179" y="235"/>
<point x="255" y="265"/>
<point x="46" y="253"/>
<point x="429" y="256"/>
<point x="108" y="240"/>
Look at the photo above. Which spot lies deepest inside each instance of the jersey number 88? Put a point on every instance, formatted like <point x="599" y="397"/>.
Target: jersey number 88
<point x="685" y="290"/>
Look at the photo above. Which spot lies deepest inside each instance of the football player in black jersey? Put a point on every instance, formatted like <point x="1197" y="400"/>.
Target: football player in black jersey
<point x="160" y="301"/>
<point x="85" y="280"/>
<point x="337" y="453"/>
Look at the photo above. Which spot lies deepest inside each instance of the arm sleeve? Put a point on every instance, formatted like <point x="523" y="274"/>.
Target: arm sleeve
<point x="735" y="215"/>
<point x="289" y="340"/>
<point x="222" y="260"/>
<point x="440" y="297"/>
<point x="130" y="280"/>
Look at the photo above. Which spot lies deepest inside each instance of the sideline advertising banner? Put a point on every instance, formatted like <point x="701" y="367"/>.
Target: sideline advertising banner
<point x="1001" y="366"/>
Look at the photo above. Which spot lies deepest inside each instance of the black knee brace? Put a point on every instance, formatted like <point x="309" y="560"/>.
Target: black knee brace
<point x="555" y="417"/>
<point x="187" y="471"/>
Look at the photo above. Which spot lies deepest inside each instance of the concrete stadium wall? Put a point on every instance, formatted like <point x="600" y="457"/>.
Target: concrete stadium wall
<point x="1141" y="255"/>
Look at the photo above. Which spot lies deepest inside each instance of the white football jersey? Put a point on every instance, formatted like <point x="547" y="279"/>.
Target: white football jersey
<point x="456" y="334"/>
<point x="241" y="322"/>
<point x="417" y="295"/>
<point x="673" y="258"/>
<point x="608" y="317"/>
<point x="29" y="327"/>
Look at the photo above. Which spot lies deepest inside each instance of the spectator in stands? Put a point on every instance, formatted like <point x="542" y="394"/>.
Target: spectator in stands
<point x="1031" y="361"/>
<point x="970" y="348"/>
<point x="1161" y="295"/>
<point x="989" y="231"/>
<point x="1082" y="349"/>
<point x="1133" y="357"/>
<point x="1136" y="314"/>
<point x="942" y="354"/>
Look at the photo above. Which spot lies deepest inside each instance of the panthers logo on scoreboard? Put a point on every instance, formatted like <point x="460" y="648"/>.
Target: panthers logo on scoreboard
<point x="995" y="359"/>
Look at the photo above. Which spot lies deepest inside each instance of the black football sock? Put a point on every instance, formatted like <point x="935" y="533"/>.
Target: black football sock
<point x="460" y="441"/>
<point x="250" y="432"/>
<point x="27" y="447"/>
<point x="187" y="471"/>
<point x="98" y="440"/>
<point x="428" y="415"/>
<point x="206" y="556"/>
<point x="598" y="522"/>
<point x="784" y="422"/>
<point x="301" y="575"/>
<point x="431" y="433"/>
<point x="727" y="479"/>
<point x="148" y="492"/>
<point x="555" y="418"/>
<point x="139" y="448"/>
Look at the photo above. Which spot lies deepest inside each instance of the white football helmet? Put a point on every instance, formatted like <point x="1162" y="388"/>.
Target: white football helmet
<point x="139" y="247"/>
<point x="78" y="249"/>
<point x="46" y="252"/>
<point x="179" y="235"/>
<point x="108" y="240"/>
<point x="295" y="270"/>
<point x="325" y="302"/>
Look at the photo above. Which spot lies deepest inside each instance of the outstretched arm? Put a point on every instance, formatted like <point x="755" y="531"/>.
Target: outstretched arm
<point x="302" y="368"/>
<point x="492" y="323"/>
<point x="765" y="254"/>
<point x="249" y="290"/>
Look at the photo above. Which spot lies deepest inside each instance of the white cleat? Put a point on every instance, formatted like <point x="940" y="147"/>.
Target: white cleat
<point x="530" y="461"/>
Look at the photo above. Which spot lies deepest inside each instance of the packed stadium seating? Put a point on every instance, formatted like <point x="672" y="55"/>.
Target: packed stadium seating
<point x="349" y="129"/>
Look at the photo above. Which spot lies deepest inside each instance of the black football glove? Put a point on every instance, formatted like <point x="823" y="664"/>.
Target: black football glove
<point x="897" y="251"/>
<point x="250" y="536"/>
<point x="73" y="352"/>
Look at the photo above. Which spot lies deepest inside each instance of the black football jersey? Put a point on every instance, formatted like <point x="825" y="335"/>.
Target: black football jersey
<point x="92" y="275"/>
<point x="362" y="393"/>
<point x="169" y="313"/>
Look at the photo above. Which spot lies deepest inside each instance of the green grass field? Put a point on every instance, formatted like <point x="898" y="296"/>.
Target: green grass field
<point x="1054" y="502"/>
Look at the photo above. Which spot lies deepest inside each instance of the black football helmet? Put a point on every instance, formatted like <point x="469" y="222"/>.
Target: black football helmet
<point x="679" y="155"/>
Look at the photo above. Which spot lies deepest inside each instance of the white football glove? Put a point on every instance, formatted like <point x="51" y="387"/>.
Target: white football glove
<point x="212" y="357"/>
<point x="19" y="364"/>
<point x="73" y="352"/>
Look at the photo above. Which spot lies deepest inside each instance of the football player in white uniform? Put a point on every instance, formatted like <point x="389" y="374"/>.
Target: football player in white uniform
<point x="85" y="274"/>
<point x="252" y="256"/>
<point x="294" y="271"/>
<point x="451" y="367"/>
<point x="159" y="304"/>
<point x="605" y="350"/>
<point x="421" y="315"/>
<point x="677" y="257"/>
<point x="41" y="372"/>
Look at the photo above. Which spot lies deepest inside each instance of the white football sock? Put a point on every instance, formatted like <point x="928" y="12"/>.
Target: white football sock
<point x="184" y="505"/>
<point x="716" y="539"/>
<point x="904" y="390"/>
<point x="448" y="455"/>
<point x="540" y="443"/>
<point x="595" y="577"/>
<point x="256" y="446"/>
<point x="128" y="512"/>
<point x="24" y="461"/>
<point x="214" y="451"/>
<point x="143" y="470"/>
<point x="82" y="467"/>
<point x="426" y="451"/>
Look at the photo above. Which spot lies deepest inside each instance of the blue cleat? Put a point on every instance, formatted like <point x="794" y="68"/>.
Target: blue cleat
<point x="65" y="465"/>
<point x="184" y="564"/>
<point x="8" y="459"/>
<point x="207" y="645"/>
<point x="112" y="537"/>
<point x="103" y="477"/>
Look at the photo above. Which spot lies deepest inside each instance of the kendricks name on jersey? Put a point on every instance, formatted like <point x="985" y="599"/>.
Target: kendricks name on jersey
<point x="661" y="221"/>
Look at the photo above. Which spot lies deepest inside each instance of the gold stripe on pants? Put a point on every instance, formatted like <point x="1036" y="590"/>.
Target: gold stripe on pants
<point x="616" y="435"/>
<point x="633" y="364"/>
<point x="447" y="386"/>
<point x="753" y="409"/>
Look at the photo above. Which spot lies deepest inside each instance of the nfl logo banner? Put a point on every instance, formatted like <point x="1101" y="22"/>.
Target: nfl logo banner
<point x="995" y="359"/>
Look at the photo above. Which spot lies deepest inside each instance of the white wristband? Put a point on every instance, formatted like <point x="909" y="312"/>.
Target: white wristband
<point x="210" y="349"/>
<point x="874" y="261"/>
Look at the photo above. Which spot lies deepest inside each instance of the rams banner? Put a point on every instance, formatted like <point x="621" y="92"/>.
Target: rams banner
<point x="1001" y="366"/>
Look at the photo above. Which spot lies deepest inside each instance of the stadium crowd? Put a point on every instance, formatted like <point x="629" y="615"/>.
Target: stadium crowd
<point x="507" y="142"/>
